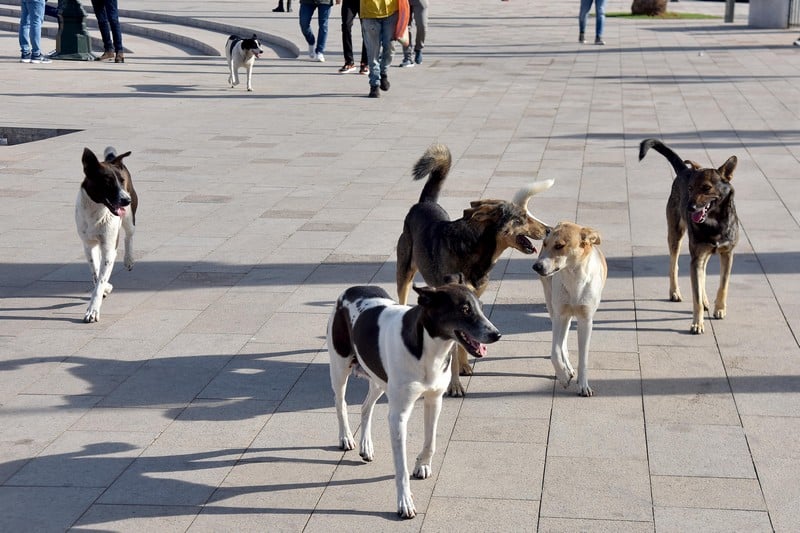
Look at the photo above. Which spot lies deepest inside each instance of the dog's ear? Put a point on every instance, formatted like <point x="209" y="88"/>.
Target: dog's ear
<point x="483" y="212"/>
<point x="589" y="236"/>
<point x="425" y="295"/>
<point x="727" y="168"/>
<point x="89" y="160"/>
<point x="118" y="160"/>
<point x="692" y="164"/>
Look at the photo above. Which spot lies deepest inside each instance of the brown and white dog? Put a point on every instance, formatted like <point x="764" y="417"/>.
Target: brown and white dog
<point x="106" y="201"/>
<point x="436" y="247"/>
<point x="573" y="271"/>
<point x="700" y="204"/>
<point x="242" y="53"/>
<point x="405" y="352"/>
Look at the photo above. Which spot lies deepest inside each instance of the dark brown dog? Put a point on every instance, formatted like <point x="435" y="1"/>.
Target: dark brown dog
<point x="436" y="247"/>
<point x="701" y="203"/>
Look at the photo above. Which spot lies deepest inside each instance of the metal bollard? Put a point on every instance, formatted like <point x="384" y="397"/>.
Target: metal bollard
<point x="72" y="41"/>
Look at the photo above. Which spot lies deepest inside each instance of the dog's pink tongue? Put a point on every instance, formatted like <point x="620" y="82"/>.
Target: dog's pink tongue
<point x="121" y="211"/>
<point x="698" y="215"/>
<point x="482" y="349"/>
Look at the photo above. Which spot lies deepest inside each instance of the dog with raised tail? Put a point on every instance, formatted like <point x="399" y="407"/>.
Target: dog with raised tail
<point x="404" y="352"/>
<point x="700" y="204"/>
<point x="573" y="271"/>
<point x="242" y="53"/>
<point x="106" y="201"/>
<point x="437" y="247"/>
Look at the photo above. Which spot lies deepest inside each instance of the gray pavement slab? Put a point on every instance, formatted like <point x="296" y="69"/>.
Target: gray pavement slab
<point x="201" y="400"/>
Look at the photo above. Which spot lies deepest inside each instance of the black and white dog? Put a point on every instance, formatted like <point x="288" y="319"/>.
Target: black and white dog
<point x="106" y="201"/>
<point x="242" y="53"/>
<point x="405" y="352"/>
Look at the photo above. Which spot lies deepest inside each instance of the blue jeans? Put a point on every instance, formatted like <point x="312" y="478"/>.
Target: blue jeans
<point x="30" y="27"/>
<point x="323" y="12"/>
<point x="108" y="24"/>
<point x="600" y="15"/>
<point x="377" y="35"/>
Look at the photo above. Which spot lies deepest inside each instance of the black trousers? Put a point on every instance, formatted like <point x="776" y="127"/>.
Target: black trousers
<point x="349" y="12"/>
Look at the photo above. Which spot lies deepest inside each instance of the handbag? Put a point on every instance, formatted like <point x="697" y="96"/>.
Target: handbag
<point x="403" y="18"/>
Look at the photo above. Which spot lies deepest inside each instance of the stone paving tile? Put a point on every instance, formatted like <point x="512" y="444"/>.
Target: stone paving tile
<point x="711" y="520"/>
<point x="132" y="518"/>
<point x="21" y="507"/>
<point x="707" y="493"/>
<point x="558" y="525"/>
<point x="619" y="489"/>
<point x="474" y="514"/>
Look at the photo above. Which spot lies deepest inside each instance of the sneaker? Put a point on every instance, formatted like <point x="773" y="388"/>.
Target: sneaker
<point x="599" y="40"/>
<point x="40" y="59"/>
<point x="364" y="69"/>
<point x="312" y="53"/>
<point x="797" y="42"/>
<point x="107" y="56"/>
<point x="278" y="9"/>
<point x="581" y="37"/>
<point x="374" y="92"/>
<point x="348" y="67"/>
<point x="418" y="57"/>
<point x="320" y="57"/>
<point x="25" y="58"/>
<point x="385" y="82"/>
<point x="119" y="58"/>
<point x="407" y="63"/>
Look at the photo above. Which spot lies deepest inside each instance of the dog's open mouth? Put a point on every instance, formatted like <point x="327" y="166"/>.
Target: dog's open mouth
<point x="524" y="245"/>
<point x="477" y="349"/>
<point x="117" y="209"/>
<point x="699" y="215"/>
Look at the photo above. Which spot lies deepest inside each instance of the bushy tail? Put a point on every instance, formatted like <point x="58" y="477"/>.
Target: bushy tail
<point x="677" y="163"/>
<point x="109" y="153"/>
<point x="435" y="162"/>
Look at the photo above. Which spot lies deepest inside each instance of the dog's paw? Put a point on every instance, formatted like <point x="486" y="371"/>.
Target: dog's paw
<point x="697" y="328"/>
<point x="565" y="376"/>
<point x="465" y="370"/>
<point x="92" y="315"/>
<point x="107" y="288"/>
<point x="719" y="313"/>
<point x="586" y="391"/>
<point x="249" y="89"/>
<point x="405" y="506"/>
<point x="347" y="443"/>
<point x="128" y="262"/>
<point x="423" y="471"/>
<point x="456" y="389"/>
<point x="367" y="452"/>
<point x="675" y="296"/>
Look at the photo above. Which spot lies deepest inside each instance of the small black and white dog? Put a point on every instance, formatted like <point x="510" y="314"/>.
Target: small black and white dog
<point x="242" y="53"/>
<point x="405" y="352"/>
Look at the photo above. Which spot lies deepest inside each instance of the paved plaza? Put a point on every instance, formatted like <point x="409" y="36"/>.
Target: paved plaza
<point x="201" y="400"/>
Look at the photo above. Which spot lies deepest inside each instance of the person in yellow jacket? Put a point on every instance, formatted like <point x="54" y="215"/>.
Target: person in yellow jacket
<point x="378" y="21"/>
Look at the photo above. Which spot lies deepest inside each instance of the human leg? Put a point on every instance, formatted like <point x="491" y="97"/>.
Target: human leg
<point x="371" y="34"/>
<point x="306" y="12"/>
<point x="386" y="36"/>
<point x="600" y="15"/>
<point x="419" y="9"/>
<point x="349" y="12"/>
<point x="112" y="13"/>
<point x="583" y="16"/>
<point x="25" y="30"/>
<point x="323" y="13"/>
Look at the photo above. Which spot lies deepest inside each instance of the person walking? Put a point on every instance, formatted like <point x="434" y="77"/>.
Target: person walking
<point x="316" y="47"/>
<point x="31" y="17"/>
<point x="378" y="21"/>
<point x="600" y="16"/>
<point x="419" y="13"/>
<point x="108" y="23"/>
<point x="279" y="8"/>
<point x="350" y="10"/>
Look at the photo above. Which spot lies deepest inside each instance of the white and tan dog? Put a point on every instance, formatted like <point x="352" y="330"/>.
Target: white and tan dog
<point x="106" y="201"/>
<point x="242" y="53"/>
<point x="573" y="271"/>
<point x="405" y="352"/>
